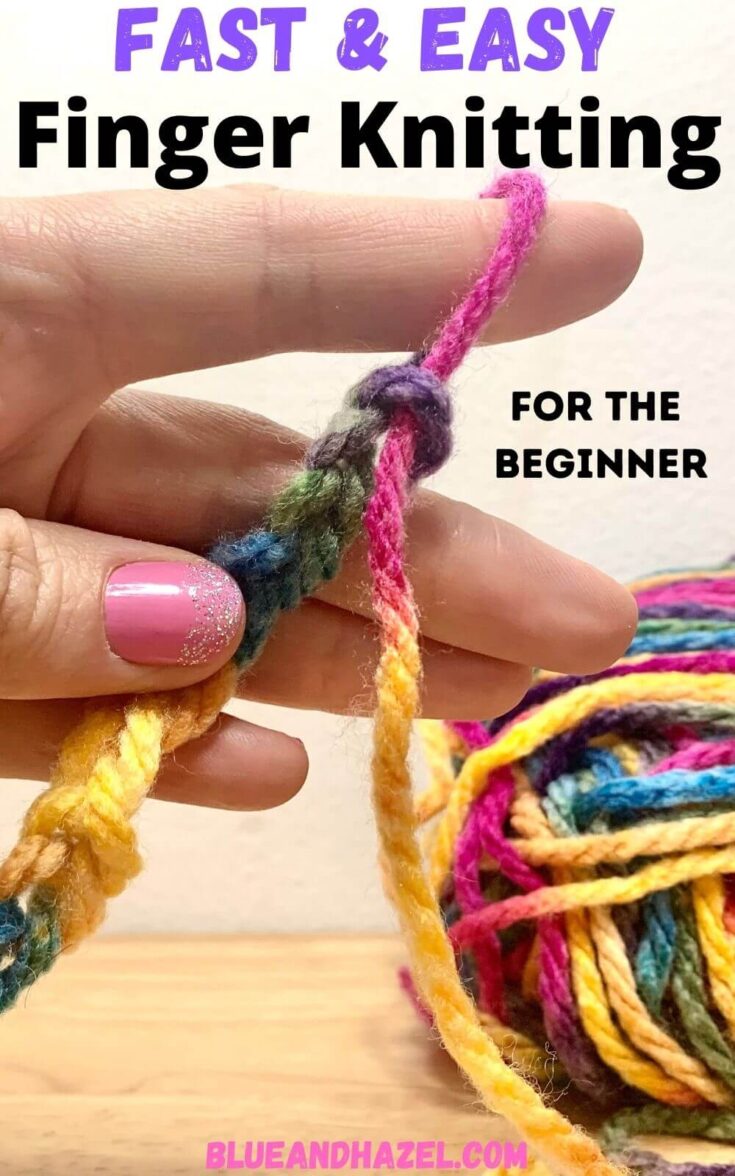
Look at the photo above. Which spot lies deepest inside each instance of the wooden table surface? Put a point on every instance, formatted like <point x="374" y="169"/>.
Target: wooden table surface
<point x="134" y="1053"/>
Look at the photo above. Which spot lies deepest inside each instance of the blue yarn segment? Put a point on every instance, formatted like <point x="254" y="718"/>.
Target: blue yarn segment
<point x="33" y="936"/>
<point x="267" y="569"/>
<point x="626" y="796"/>
<point x="558" y="804"/>
<point x="682" y="642"/>
<point x="275" y="572"/>
<point x="656" y="950"/>
<point x="597" y="765"/>
<point x="603" y="762"/>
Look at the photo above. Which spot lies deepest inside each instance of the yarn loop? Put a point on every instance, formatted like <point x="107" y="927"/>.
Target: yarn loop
<point x="374" y="404"/>
<point x="415" y="389"/>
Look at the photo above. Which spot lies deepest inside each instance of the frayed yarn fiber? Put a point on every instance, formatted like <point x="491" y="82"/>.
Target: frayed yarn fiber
<point x="573" y="884"/>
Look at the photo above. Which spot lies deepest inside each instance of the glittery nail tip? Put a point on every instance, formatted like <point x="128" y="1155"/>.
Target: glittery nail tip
<point x="160" y="613"/>
<point x="218" y="611"/>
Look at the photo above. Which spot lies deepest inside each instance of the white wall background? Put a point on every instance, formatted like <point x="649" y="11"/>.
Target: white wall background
<point x="311" y="865"/>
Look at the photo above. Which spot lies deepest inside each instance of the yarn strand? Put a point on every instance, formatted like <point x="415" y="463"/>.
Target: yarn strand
<point x="565" y="1147"/>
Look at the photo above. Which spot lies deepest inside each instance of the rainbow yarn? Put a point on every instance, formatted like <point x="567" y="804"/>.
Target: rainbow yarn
<point x="583" y="850"/>
<point x="575" y="887"/>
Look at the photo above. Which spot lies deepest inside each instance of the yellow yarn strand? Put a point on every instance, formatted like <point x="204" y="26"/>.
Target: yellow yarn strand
<point x="599" y="1022"/>
<point x="520" y="1051"/>
<point x="624" y="845"/>
<point x="718" y="946"/>
<point x="77" y="836"/>
<point x="563" y="1146"/>
<point x="690" y="1074"/>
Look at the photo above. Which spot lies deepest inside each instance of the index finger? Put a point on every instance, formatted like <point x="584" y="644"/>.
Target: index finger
<point x="161" y="282"/>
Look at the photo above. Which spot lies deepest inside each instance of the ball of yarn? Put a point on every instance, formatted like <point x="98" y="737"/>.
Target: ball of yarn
<point x="584" y="856"/>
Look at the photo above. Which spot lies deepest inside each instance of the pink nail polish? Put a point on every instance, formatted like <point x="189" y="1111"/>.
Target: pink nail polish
<point x="166" y="614"/>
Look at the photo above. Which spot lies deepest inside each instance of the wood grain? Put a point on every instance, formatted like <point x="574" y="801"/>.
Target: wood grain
<point x="134" y="1053"/>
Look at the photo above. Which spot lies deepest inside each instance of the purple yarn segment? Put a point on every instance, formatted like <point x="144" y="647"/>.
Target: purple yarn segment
<point x="561" y="1017"/>
<point x="553" y="759"/>
<point x="423" y="394"/>
<point x="381" y="397"/>
<point x="698" y="663"/>
<point x="648" y="1164"/>
<point x="636" y="720"/>
<point x="696" y="612"/>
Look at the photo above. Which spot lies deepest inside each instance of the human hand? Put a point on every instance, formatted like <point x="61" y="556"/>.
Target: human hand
<point x="99" y="292"/>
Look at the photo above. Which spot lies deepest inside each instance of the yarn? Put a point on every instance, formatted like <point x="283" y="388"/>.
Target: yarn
<point x="588" y="834"/>
<point x="594" y="913"/>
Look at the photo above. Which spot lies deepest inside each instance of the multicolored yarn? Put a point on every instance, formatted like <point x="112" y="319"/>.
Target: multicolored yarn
<point x="585" y="842"/>
<point x="549" y="883"/>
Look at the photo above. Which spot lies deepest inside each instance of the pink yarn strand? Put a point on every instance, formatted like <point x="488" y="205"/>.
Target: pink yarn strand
<point x="392" y="592"/>
<point x="526" y="197"/>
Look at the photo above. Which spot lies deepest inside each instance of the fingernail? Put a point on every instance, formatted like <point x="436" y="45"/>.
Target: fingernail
<point x="171" y="614"/>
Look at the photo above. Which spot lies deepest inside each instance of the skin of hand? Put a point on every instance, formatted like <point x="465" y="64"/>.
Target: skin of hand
<point x="99" y="292"/>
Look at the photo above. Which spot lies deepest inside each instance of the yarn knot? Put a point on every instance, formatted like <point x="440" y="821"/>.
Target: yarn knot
<point x="372" y="406"/>
<point x="411" y="388"/>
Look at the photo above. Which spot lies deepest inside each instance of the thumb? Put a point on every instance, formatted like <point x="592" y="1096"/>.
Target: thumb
<point x="83" y="613"/>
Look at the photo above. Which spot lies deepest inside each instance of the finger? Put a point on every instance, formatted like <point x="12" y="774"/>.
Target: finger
<point x="331" y="654"/>
<point x="149" y="283"/>
<point x="235" y="765"/>
<point x="495" y="590"/>
<point x="84" y="614"/>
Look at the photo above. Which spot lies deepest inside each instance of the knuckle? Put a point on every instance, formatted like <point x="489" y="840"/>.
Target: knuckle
<point x="18" y="569"/>
<point x="49" y="308"/>
<point x="38" y="279"/>
<point x="290" y="289"/>
<point x="269" y="222"/>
